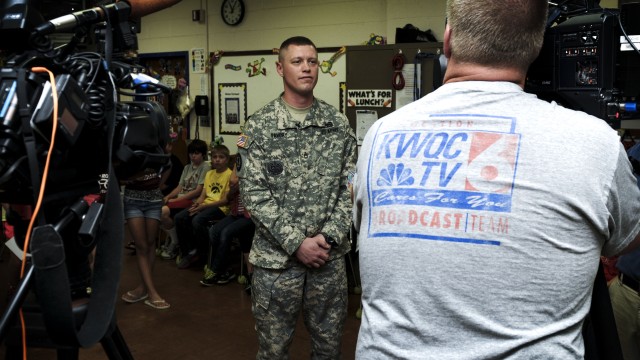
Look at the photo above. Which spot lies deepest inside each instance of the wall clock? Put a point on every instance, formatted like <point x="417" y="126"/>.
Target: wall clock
<point x="232" y="12"/>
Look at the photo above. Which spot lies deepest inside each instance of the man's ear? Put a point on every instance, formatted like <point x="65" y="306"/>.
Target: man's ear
<point x="279" y="68"/>
<point x="446" y="46"/>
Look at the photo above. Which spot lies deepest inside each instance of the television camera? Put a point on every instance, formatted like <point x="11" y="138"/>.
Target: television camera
<point x="590" y="60"/>
<point x="65" y="135"/>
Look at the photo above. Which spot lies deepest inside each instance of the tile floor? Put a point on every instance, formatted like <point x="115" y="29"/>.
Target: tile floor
<point x="202" y="323"/>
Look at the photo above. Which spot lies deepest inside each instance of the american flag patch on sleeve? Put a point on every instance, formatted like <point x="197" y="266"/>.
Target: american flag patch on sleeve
<point x="242" y="141"/>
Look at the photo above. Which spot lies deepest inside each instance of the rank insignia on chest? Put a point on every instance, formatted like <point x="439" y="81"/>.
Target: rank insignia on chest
<point x="275" y="167"/>
<point x="243" y="140"/>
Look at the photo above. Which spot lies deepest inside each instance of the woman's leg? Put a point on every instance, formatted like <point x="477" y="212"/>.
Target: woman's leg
<point x="152" y="227"/>
<point x="137" y="228"/>
<point x="145" y="231"/>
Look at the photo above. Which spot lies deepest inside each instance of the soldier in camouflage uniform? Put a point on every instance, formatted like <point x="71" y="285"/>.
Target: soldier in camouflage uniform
<point x="295" y="157"/>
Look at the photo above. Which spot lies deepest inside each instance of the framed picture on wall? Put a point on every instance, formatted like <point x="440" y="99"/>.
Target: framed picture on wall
<point x="232" y="102"/>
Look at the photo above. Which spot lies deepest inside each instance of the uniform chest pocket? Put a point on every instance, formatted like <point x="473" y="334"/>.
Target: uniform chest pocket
<point x="328" y="157"/>
<point x="283" y="160"/>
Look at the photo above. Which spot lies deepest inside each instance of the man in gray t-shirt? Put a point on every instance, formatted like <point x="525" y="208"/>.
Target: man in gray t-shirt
<point x="480" y="227"/>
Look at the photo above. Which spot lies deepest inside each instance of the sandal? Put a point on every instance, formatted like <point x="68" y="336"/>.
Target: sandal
<point x="158" y="304"/>
<point x="132" y="298"/>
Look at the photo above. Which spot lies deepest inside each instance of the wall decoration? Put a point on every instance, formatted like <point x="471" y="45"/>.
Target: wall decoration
<point x="232" y="101"/>
<point x="169" y="80"/>
<point x="326" y="65"/>
<point x="233" y="67"/>
<point x="198" y="60"/>
<point x="214" y="59"/>
<point x="375" y="39"/>
<point x="256" y="68"/>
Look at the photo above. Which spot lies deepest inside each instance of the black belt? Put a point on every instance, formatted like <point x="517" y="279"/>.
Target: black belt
<point x="630" y="282"/>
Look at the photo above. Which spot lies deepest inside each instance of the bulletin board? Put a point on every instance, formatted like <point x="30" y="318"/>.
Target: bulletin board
<point x="168" y="67"/>
<point x="245" y="81"/>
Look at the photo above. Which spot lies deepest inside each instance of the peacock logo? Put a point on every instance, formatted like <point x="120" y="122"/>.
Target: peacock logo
<point x="395" y="175"/>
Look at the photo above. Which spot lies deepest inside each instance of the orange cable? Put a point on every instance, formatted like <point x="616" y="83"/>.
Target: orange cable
<point x="45" y="172"/>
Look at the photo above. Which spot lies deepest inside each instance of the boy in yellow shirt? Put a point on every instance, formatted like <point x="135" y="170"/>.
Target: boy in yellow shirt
<point x="192" y="223"/>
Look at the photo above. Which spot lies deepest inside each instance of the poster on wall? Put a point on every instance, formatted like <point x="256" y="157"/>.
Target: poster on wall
<point x="198" y="61"/>
<point x="232" y="102"/>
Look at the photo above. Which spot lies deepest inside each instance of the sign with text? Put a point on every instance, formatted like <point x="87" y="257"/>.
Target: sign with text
<point x="369" y="98"/>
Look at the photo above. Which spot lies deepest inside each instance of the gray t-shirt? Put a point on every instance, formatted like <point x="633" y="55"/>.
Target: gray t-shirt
<point x="193" y="176"/>
<point x="484" y="211"/>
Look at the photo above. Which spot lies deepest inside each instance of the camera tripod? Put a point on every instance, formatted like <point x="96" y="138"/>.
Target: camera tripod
<point x="57" y="314"/>
<point x="113" y="342"/>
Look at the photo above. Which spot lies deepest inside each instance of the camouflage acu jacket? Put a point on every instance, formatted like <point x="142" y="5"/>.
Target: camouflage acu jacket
<point x="294" y="180"/>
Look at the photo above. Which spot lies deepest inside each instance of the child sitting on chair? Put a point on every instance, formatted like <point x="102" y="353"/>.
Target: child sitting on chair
<point x="181" y="197"/>
<point x="192" y="224"/>
<point x="237" y="224"/>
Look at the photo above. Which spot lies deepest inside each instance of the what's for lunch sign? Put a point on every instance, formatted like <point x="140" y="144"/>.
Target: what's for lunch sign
<point x="369" y="98"/>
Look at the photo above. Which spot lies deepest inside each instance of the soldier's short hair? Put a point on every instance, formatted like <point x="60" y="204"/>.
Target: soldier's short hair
<point x="294" y="40"/>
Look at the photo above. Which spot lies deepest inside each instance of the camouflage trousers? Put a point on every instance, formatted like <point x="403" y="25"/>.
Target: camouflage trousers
<point x="278" y="296"/>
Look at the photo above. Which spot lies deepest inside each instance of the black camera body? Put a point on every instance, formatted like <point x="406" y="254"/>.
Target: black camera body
<point x="62" y="125"/>
<point x="79" y="154"/>
<point x="86" y="85"/>
<point x="587" y="64"/>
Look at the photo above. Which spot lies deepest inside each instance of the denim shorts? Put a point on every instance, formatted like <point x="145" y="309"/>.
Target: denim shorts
<point x="136" y="208"/>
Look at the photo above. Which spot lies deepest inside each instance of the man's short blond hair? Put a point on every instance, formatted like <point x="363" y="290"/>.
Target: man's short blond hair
<point x="505" y="33"/>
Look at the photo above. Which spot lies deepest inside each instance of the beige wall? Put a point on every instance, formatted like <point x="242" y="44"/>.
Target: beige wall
<point x="329" y="23"/>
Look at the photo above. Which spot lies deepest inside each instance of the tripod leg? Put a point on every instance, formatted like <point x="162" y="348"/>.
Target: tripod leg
<point x="356" y="288"/>
<point x="115" y="347"/>
<point x="12" y="309"/>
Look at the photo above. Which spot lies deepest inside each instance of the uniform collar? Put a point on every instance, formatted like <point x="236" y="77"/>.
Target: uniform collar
<point x="314" y="118"/>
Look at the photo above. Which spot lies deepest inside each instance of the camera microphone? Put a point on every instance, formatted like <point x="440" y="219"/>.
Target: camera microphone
<point x="81" y="18"/>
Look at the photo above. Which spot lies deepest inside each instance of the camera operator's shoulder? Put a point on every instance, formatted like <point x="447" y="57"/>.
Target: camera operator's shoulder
<point x="580" y="125"/>
<point x="581" y="118"/>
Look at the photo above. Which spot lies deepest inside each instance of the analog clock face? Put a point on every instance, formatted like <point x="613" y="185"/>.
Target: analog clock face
<point x="232" y="11"/>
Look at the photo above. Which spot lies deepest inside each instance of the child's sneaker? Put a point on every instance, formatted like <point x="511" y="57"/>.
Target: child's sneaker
<point x="169" y="252"/>
<point x="209" y="276"/>
<point x="223" y="278"/>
